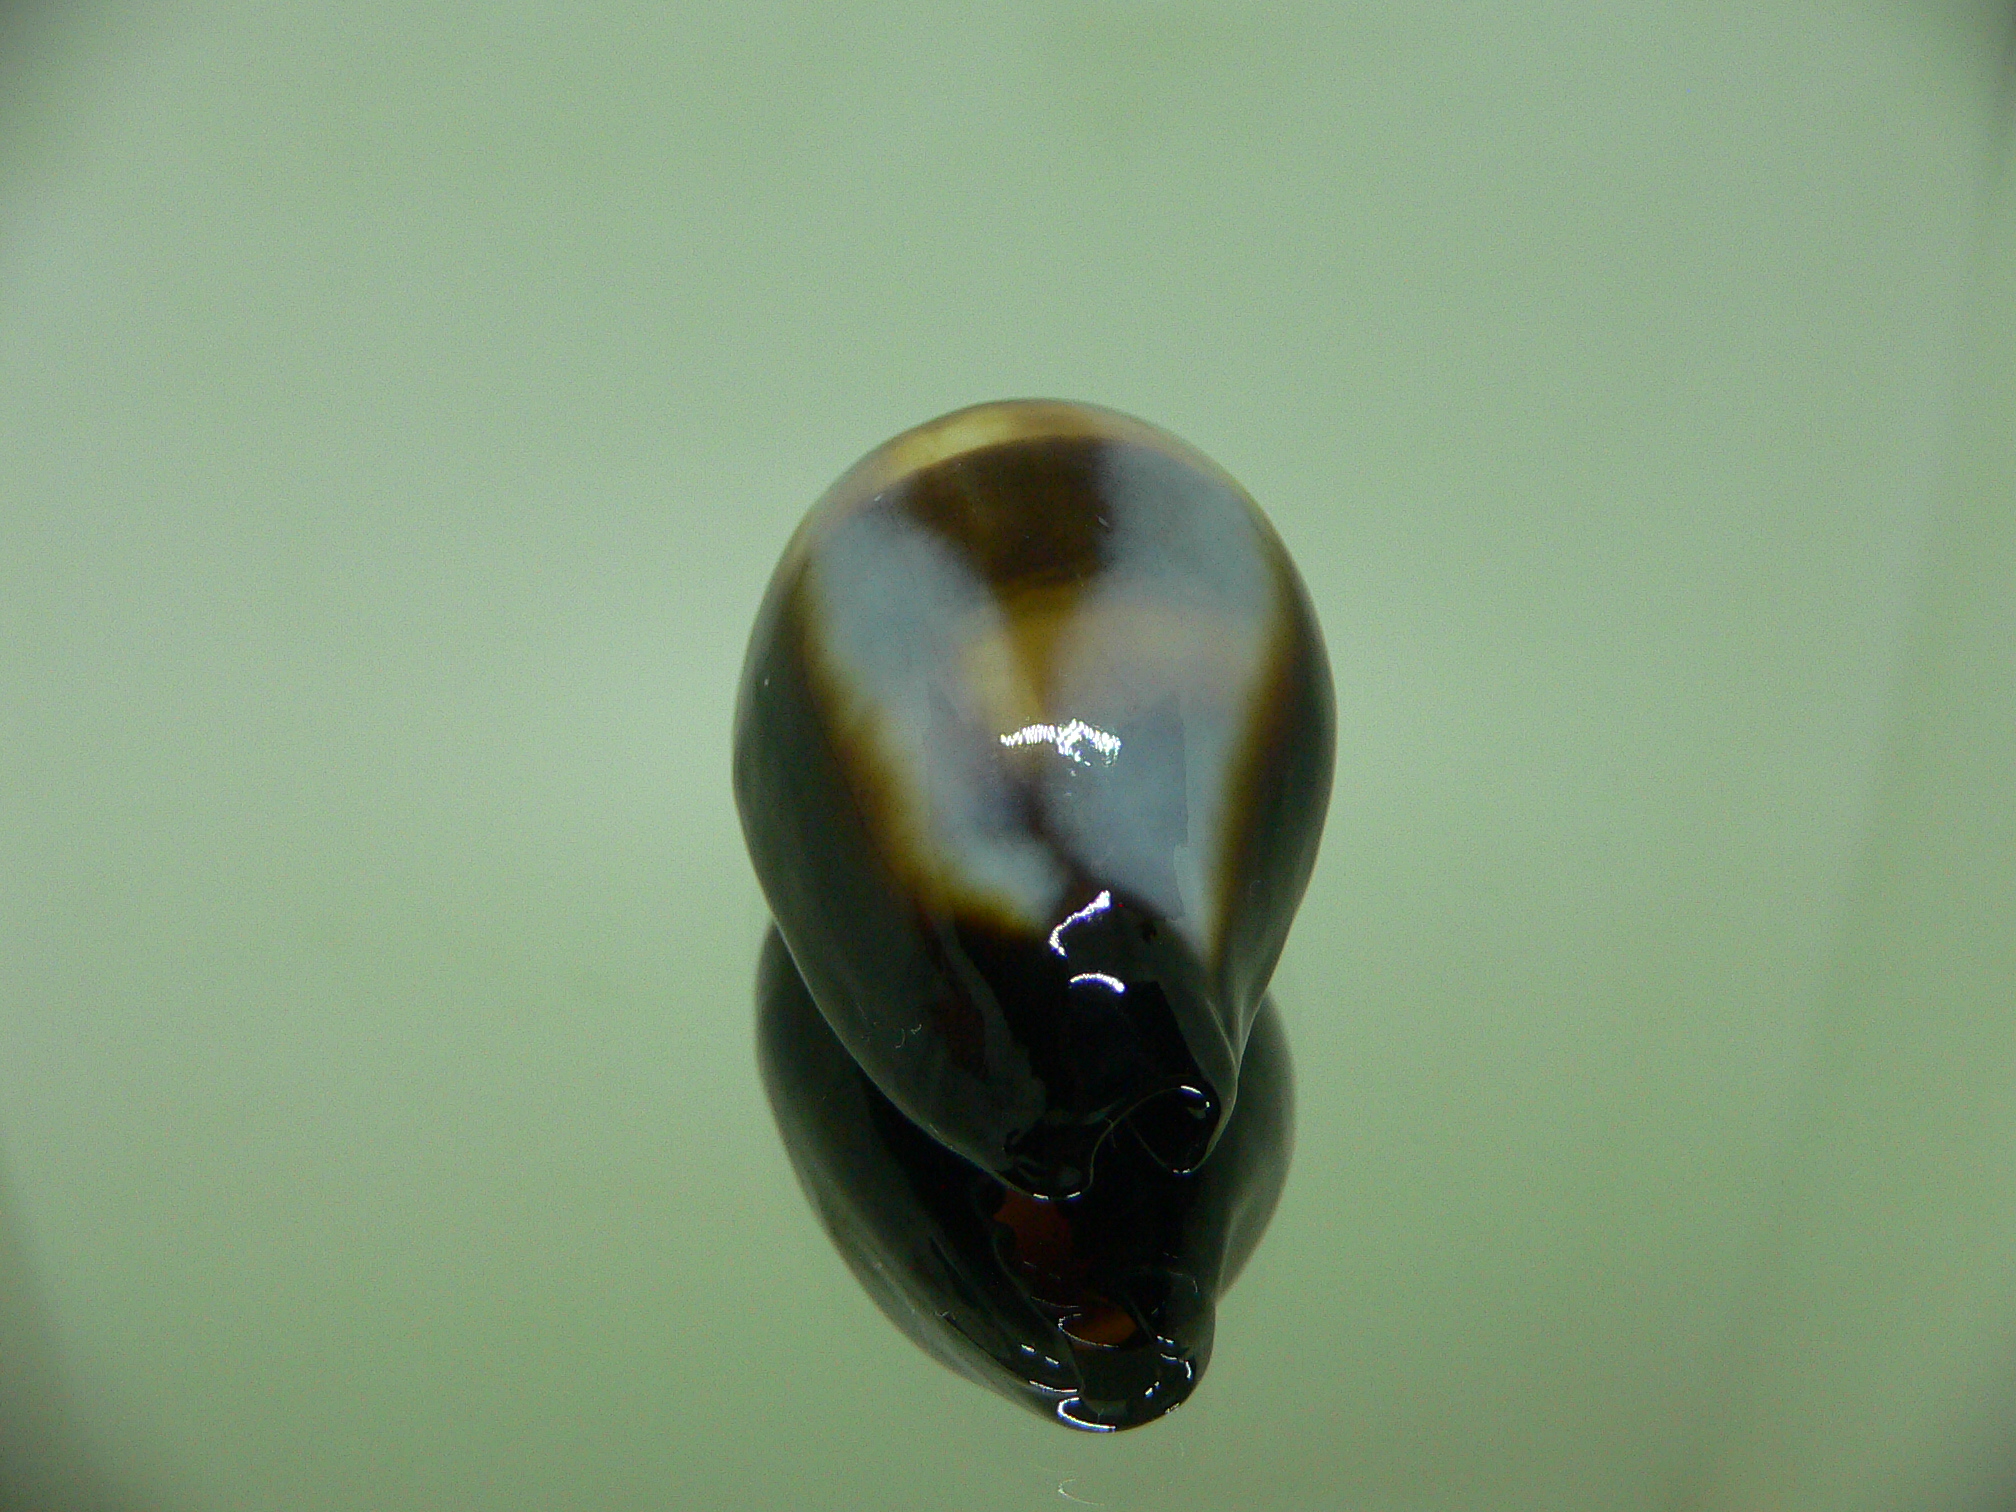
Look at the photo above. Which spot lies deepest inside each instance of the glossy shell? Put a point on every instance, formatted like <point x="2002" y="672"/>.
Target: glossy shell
<point x="1032" y="754"/>
<point x="1098" y="1311"/>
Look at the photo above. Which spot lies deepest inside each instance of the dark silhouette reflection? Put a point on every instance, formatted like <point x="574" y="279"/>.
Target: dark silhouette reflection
<point x="1096" y="1310"/>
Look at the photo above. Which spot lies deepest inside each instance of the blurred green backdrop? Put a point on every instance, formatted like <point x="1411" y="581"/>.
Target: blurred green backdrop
<point x="401" y="407"/>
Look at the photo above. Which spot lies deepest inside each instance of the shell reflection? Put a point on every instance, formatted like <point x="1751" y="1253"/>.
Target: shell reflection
<point x="1032" y="755"/>
<point x="1097" y="1310"/>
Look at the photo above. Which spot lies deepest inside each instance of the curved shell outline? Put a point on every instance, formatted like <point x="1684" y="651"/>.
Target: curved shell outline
<point x="1098" y="1313"/>
<point x="1033" y="750"/>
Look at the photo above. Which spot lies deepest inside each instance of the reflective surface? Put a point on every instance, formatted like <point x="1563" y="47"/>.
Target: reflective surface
<point x="1097" y="1311"/>
<point x="1033" y="748"/>
<point x="1032" y="752"/>
<point x="401" y="411"/>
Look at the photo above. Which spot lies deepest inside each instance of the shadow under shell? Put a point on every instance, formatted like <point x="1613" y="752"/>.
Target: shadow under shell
<point x="1096" y="1311"/>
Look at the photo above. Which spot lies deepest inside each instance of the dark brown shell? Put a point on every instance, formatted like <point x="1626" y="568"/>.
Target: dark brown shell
<point x="1097" y="1312"/>
<point x="1032" y="754"/>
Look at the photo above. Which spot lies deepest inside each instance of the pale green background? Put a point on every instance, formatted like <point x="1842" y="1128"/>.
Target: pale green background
<point x="401" y="406"/>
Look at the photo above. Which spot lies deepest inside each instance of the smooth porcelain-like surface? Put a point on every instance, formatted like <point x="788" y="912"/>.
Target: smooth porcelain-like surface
<point x="1097" y="1310"/>
<point x="1033" y="750"/>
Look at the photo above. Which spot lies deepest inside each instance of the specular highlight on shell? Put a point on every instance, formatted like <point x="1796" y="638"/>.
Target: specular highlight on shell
<point x="1032" y="754"/>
